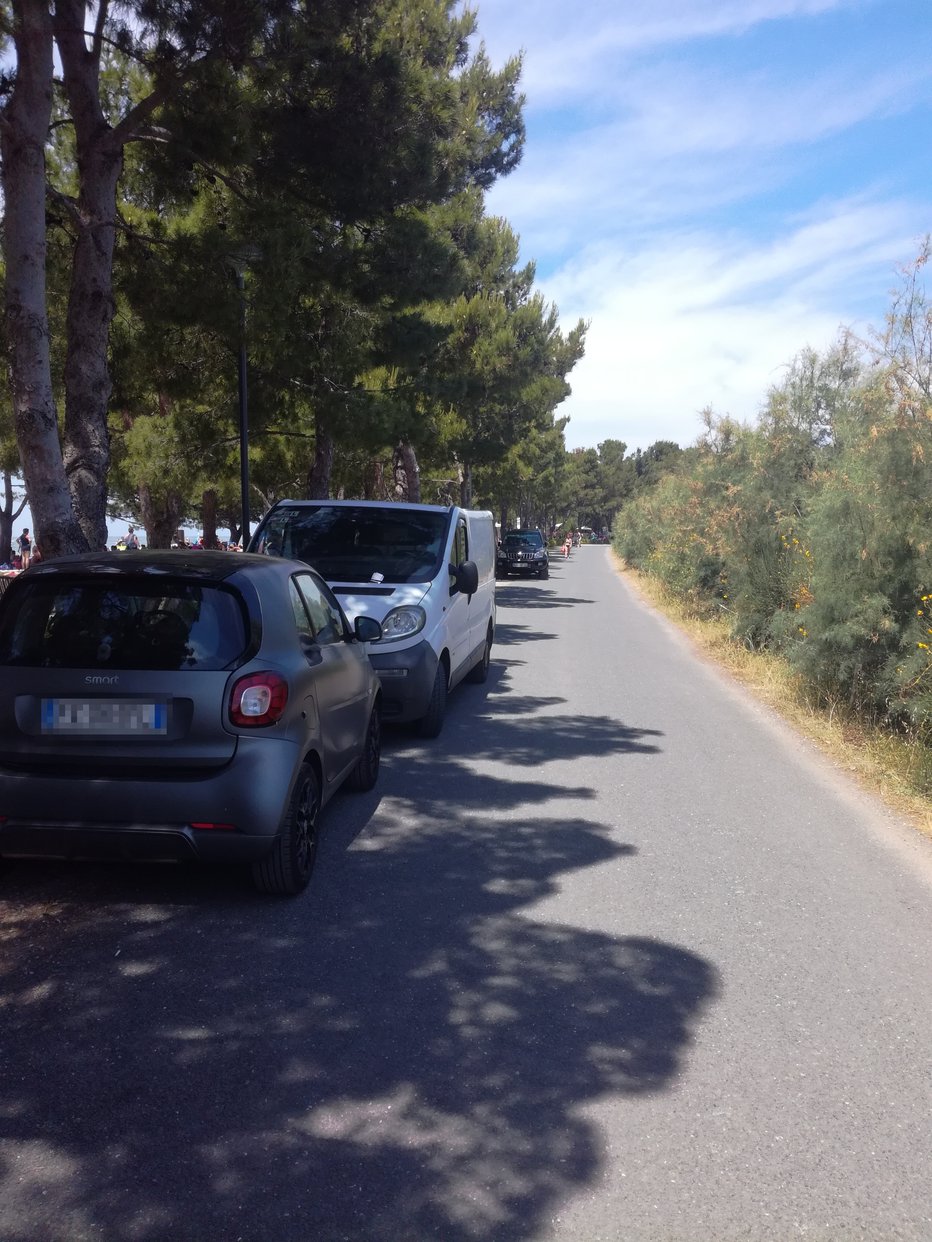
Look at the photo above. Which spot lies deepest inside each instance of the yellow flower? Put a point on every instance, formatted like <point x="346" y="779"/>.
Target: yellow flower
<point x="924" y="646"/>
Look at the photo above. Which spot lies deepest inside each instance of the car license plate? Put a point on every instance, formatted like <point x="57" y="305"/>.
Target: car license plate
<point x="120" y="716"/>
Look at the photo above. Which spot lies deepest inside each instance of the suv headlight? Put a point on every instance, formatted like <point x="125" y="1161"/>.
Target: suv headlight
<point x="403" y="622"/>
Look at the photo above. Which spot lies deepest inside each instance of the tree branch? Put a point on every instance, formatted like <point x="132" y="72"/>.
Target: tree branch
<point x="103" y="8"/>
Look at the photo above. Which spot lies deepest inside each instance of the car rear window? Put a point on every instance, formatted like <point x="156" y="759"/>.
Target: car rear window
<point x="127" y="624"/>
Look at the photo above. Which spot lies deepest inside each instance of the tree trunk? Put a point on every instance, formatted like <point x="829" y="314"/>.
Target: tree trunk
<point x="466" y="485"/>
<point x="209" y="519"/>
<point x="374" y="480"/>
<point x="407" y="474"/>
<point x="9" y="512"/>
<point x="23" y="133"/>
<point x="318" y="478"/>
<point x="228" y="518"/>
<point x="90" y="303"/>
<point x="161" y="519"/>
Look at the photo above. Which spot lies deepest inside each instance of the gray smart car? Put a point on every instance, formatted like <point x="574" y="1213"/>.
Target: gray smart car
<point x="174" y="705"/>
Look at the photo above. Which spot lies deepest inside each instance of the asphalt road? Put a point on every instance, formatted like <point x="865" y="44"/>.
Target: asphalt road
<point x="615" y="958"/>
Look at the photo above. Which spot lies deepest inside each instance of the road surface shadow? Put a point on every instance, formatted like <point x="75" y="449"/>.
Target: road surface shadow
<point x="534" y="595"/>
<point x="404" y="1053"/>
<point x="511" y="635"/>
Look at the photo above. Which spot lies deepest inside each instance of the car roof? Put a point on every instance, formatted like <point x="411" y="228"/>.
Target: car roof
<point x="363" y="504"/>
<point x="186" y="564"/>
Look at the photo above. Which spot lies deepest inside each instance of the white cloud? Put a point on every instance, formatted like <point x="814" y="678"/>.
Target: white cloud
<point x="697" y="321"/>
<point x="715" y="184"/>
<point x="683" y="144"/>
<point x="566" y="43"/>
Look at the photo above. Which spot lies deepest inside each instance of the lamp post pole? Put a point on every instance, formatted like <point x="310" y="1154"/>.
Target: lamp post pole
<point x="243" y="413"/>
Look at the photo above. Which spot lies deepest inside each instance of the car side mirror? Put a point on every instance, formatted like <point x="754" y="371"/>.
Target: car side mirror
<point x="367" y="630"/>
<point x="466" y="577"/>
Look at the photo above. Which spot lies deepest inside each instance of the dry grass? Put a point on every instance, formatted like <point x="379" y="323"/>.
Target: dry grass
<point x="893" y="768"/>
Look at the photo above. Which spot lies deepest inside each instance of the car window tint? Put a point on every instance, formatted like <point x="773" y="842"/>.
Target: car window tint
<point x="325" y="614"/>
<point x="121" y="624"/>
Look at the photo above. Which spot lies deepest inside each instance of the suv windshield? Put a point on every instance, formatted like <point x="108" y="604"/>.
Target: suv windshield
<point x="120" y="623"/>
<point x="349" y="544"/>
<point x="524" y="539"/>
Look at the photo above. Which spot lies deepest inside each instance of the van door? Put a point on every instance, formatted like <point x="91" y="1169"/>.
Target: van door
<point x="458" y="612"/>
<point x="480" y="532"/>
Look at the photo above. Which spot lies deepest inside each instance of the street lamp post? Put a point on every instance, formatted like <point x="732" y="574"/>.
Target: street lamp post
<point x="243" y="411"/>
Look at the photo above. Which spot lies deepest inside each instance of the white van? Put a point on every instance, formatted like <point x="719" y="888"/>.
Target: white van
<point x="426" y="573"/>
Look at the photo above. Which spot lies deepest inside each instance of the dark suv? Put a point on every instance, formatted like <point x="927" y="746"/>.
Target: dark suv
<point x="173" y="705"/>
<point x="522" y="552"/>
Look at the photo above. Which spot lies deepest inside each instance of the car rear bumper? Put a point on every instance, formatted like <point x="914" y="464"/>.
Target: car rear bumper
<point x="407" y="679"/>
<point x="75" y="816"/>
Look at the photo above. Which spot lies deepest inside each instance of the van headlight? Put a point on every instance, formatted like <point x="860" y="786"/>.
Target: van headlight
<point x="403" y="622"/>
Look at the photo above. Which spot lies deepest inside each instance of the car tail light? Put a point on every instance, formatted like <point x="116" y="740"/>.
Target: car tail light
<point x="215" y="827"/>
<point x="258" y="700"/>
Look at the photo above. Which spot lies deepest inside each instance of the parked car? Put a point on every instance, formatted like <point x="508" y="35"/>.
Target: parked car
<point x="425" y="572"/>
<point x="174" y="705"/>
<point x="523" y="552"/>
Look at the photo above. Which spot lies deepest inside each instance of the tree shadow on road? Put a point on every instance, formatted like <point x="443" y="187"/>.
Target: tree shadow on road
<point x="511" y="635"/>
<point x="534" y="595"/>
<point x="404" y="1053"/>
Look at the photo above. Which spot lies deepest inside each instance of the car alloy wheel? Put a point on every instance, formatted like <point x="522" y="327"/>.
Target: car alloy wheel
<point x="287" y="868"/>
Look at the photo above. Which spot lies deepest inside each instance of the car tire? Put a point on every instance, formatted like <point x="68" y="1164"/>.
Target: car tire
<point x="544" y="572"/>
<point x="431" y="722"/>
<point x="286" y="869"/>
<point x="366" y="772"/>
<point x="479" y="673"/>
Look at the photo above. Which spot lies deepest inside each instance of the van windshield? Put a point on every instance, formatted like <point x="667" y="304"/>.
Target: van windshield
<point x="366" y="544"/>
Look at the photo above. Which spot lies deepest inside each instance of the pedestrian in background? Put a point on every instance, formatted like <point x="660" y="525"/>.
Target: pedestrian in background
<point x="24" y="547"/>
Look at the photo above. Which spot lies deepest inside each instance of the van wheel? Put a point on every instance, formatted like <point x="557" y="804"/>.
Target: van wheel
<point x="479" y="672"/>
<point x="431" y="722"/>
<point x="287" y="868"/>
<point x="366" y="772"/>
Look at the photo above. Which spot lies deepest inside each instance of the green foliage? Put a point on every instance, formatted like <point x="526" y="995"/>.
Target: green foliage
<point x="811" y="530"/>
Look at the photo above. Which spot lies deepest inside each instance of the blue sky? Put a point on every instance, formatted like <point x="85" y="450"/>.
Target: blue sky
<point x="715" y="185"/>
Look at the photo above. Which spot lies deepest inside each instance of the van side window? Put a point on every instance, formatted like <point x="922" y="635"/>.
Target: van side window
<point x="460" y="551"/>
